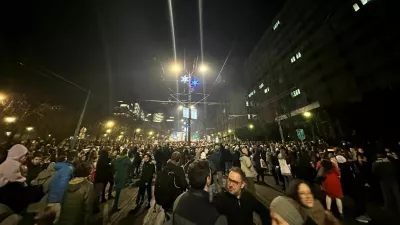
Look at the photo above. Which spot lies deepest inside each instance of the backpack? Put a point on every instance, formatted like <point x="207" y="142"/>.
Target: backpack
<point x="165" y="190"/>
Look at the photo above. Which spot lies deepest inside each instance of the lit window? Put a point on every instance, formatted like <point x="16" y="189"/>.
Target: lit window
<point x="276" y="25"/>
<point x="266" y="90"/>
<point x="295" y="93"/>
<point x="261" y="85"/>
<point x="364" y="2"/>
<point x="356" y="7"/>
<point x="293" y="59"/>
<point x="298" y="55"/>
<point x="247" y="103"/>
<point x="252" y="93"/>
<point x="248" y="116"/>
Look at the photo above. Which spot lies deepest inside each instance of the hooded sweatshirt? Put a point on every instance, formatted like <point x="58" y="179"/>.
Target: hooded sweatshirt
<point x="10" y="168"/>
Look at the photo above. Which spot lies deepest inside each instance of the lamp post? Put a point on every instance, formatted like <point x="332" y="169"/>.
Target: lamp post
<point x="308" y="117"/>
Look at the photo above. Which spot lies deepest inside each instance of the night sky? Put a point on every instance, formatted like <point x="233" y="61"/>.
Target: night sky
<point x="116" y="48"/>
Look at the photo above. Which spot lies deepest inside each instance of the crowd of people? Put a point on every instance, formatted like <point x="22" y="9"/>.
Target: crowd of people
<point x="205" y="183"/>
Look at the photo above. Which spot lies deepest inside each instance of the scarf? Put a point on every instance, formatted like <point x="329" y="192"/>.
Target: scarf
<point x="10" y="168"/>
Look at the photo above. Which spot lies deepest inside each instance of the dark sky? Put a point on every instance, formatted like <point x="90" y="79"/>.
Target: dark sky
<point x="115" y="48"/>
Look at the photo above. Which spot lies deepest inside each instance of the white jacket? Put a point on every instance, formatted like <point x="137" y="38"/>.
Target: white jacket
<point x="285" y="168"/>
<point x="247" y="166"/>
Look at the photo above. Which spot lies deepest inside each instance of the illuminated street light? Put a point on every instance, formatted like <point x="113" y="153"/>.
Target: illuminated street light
<point x="105" y="135"/>
<point x="108" y="130"/>
<point x="2" y="97"/>
<point x="212" y="135"/>
<point x="29" y="129"/>
<point x="182" y="120"/>
<point x="180" y="107"/>
<point x="138" y="130"/>
<point x="110" y="123"/>
<point x="122" y="133"/>
<point x="49" y="135"/>
<point x="176" y="68"/>
<point x="192" y="107"/>
<point x="229" y="131"/>
<point x="203" y="68"/>
<point x="307" y="114"/>
<point x="151" y="133"/>
<point x="10" y="119"/>
<point x="8" y="133"/>
<point x="251" y="126"/>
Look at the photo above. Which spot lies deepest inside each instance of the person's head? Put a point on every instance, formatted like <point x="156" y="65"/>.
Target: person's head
<point x="146" y="157"/>
<point x="301" y="193"/>
<point x="176" y="157"/>
<point x="236" y="181"/>
<point x="71" y="156"/>
<point x="81" y="169"/>
<point x="37" y="158"/>
<point x="245" y="151"/>
<point x="284" y="212"/>
<point x="199" y="175"/>
<point x="18" y="153"/>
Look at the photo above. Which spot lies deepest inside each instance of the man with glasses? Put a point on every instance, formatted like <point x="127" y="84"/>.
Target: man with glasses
<point x="238" y="204"/>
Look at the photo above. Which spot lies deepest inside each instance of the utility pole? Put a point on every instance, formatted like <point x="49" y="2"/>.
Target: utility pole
<point x="78" y="126"/>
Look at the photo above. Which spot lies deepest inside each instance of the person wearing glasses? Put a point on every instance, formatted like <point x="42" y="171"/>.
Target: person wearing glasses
<point x="237" y="204"/>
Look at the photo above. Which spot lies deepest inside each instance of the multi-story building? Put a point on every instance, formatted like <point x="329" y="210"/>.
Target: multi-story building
<point x="318" y="56"/>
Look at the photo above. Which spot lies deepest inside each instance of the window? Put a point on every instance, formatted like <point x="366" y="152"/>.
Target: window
<point x="261" y="85"/>
<point x="363" y="2"/>
<point x="295" y="93"/>
<point x="252" y="93"/>
<point x="276" y="25"/>
<point x="247" y="103"/>
<point x="293" y="59"/>
<point x="266" y="90"/>
<point x="248" y="116"/>
<point x="356" y="7"/>
<point x="298" y="55"/>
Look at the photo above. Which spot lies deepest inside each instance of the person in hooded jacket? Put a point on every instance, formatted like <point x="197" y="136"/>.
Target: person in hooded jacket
<point x="103" y="175"/>
<point x="247" y="166"/>
<point x="122" y="167"/>
<point x="13" y="190"/>
<point x="77" y="201"/>
<point x="44" y="178"/>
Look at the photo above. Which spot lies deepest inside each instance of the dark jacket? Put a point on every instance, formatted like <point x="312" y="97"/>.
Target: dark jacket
<point x="33" y="172"/>
<point x="122" y="167"/>
<point x="194" y="208"/>
<point x="226" y="155"/>
<point x="147" y="172"/>
<point x="59" y="183"/>
<point x="103" y="168"/>
<point x="215" y="159"/>
<point x="240" y="211"/>
<point x="384" y="170"/>
<point x="236" y="159"/>
<point x="180" y="177"/>
<point x="77" y="203"/>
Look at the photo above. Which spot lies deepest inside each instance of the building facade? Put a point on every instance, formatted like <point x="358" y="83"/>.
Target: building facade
<point x="318" y="56"/>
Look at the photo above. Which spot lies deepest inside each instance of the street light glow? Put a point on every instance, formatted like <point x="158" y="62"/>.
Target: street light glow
<point x="151" y="133"/>
<point x="180" y="107"/>
<point x="29" y="129"/>
<point x="8" y="133"/>
<point x="10" y="119"/>
<point x="176" y="68"/>
<point x="192" y="107"/>
<point x="229" y="131"/>
<point x="307" y="114"/>
<point x="203" y="68"/>
<point x="110" y="123"/>
<point x="108" y="130"/>
<point x="251" y="126"/>
<point x="2" y="97"/>
<point x="138" y="130"/>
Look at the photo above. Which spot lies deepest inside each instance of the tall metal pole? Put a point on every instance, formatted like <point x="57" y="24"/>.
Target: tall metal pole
<point x="78" y="126"/>
<point x="189" y="129"/>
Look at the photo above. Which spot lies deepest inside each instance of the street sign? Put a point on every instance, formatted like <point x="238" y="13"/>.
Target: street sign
<point x="300" y="134"/>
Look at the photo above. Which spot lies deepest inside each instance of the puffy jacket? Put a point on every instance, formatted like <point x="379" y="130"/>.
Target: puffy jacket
<point x="247" y="166"/>
<point x="59" y="183"/>
<point x="77" y="204"/>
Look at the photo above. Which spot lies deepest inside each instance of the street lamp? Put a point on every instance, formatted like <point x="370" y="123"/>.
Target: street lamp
<point x="176" y="68"/>
<point x="307" y="114"/>
<point x="10" y="119"/>
<point x="138" y="130"/>
<point x="8" y="133"/>
<point x="110" y="123"/>
<point x="180" y="107"/>
<point x="251" y="126"/>
<point x="29" y="129"/>
<point x="192" y="107"/>
<point x="229" y="131"/>
<point x="151" y="133"/>
<point x="203" y="68"/>
<point x="108" y="131"/>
